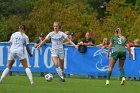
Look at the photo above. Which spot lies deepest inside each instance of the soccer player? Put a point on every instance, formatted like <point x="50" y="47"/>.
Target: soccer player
<point x="119" y="52"/>
<point x="18" y="41"/>
<point x="57" y="51"/>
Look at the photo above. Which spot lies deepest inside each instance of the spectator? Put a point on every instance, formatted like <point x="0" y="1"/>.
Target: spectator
<point x="137" y="42"/>
<point x="38" y="41"/>
<point x="88" y="41"/>
<point x="104" y="44"/>
<point x="73" y="38"/>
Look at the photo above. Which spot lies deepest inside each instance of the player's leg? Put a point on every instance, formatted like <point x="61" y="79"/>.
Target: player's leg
<point x="61" y="57"/>
<point x="111" y="65"/>
<point x="121" y="64"/>
<point x="58" y="69"/>
<point x="62" y="64"/>
<point x="27" y="70"/>
<point x="62" y="68"/>
<point x="6" y="71"/>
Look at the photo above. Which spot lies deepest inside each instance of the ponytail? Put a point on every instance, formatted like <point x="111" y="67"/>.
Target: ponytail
<point x="22" y="29"/>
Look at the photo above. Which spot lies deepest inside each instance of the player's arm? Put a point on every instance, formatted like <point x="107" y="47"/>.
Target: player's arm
<point x="43" y="42"/>
<point x="28" y="50"/>
<point x="11" y="40"/>
<point x="109" y="47"/>
<point x="129" y="50"/>
<point x="35" y="45"/>
<point x="71" y="42"/>
<point x="27" y="46"/>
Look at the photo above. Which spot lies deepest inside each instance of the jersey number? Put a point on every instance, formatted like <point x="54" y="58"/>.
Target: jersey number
<point x="119" y="41"/>
<point x="17" y="40"/>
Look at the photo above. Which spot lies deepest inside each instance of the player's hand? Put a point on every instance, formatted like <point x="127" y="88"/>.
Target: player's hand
<point x="38" y="46"/>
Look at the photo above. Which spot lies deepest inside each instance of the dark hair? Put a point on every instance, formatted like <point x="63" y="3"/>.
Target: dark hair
<point x="82" y="48"/>
<point x="72" y="33"/>
<point x="23" y="27"/>
<point x="42" y="35"/>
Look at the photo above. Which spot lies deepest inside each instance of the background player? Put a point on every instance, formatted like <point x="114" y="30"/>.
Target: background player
<point x="18" y="41"/>
<point x="119" y="52"/>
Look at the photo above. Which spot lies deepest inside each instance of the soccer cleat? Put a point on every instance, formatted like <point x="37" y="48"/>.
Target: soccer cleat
<point x="62" y="79"/>
<point x="123" y="81"/>
<point x="31" y="82"/>
<point x="107" y="82"/>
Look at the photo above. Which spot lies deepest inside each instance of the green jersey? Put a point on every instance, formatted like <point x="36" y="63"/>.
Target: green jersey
<point x="118" y="44"/>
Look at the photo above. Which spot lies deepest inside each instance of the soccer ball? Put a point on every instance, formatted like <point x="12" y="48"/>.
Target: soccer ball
<point x="49" y="77"/>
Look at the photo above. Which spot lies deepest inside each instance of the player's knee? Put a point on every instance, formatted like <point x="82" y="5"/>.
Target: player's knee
<point x="110" y="68"/>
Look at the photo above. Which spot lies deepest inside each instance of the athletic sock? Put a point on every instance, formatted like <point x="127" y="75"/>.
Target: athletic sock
<point x="4" y="73"/>
<point x="59" y="72"/>
<point x="29" y="74"/>
<point x="109" y="74"/>
<point x="122" y="72"/>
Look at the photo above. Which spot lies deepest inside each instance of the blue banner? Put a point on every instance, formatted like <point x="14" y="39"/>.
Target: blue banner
<point x="93" y="62"/>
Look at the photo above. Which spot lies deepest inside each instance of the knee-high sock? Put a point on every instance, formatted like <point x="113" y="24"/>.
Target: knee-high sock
<point x="109" y="74"/>
<point x="122" y="72"/>
<point x="59" y="72"/>
<point x="29" y="74"/>
<point x="4" y="73"/>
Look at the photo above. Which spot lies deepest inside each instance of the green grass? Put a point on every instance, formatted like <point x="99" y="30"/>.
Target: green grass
<point x="20" y="84"/>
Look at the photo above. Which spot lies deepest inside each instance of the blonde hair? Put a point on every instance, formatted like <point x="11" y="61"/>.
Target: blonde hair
<point x="56" y="22"/>
<point x="103" y="43"/>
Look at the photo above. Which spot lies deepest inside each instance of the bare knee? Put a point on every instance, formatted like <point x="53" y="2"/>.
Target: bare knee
<point x="110" y="68"/>
<point x="24" y="63"/>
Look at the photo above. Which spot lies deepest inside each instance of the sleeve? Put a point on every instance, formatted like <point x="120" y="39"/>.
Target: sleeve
<point x="64" y="35"/>
<point x="48" y="37"/>
<point x="11" y="38"/>
<point x="126" y="41"/>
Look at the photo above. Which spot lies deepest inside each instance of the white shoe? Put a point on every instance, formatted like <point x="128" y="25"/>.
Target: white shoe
<point x="107" y="82"/>
<point x="123" y="81"/>
<point x="32" y="82"/>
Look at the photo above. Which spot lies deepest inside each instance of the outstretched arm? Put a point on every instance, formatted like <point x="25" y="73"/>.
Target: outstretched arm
<point x="28" y="50"/>
<point x="71" y="42"/>
<point x="43" y="42"/>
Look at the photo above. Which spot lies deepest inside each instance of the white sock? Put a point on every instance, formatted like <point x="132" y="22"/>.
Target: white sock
<point x="59" y="72"/>
<point x="4" y="73"/>
<point x="29" y="74"/>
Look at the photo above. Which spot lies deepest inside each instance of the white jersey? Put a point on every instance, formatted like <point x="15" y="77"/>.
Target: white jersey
<point x="18" y="42"/>
<point x="56" y="39"/>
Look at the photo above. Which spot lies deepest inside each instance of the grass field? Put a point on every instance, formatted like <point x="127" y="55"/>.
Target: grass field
<point x="20" y="84"/>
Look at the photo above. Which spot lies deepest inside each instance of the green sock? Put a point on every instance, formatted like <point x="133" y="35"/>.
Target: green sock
<point x="109" y="74"/>
<point x="122" y="72"/>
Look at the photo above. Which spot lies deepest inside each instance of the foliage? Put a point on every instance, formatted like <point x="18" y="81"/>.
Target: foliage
<point x="100" y="17"/>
